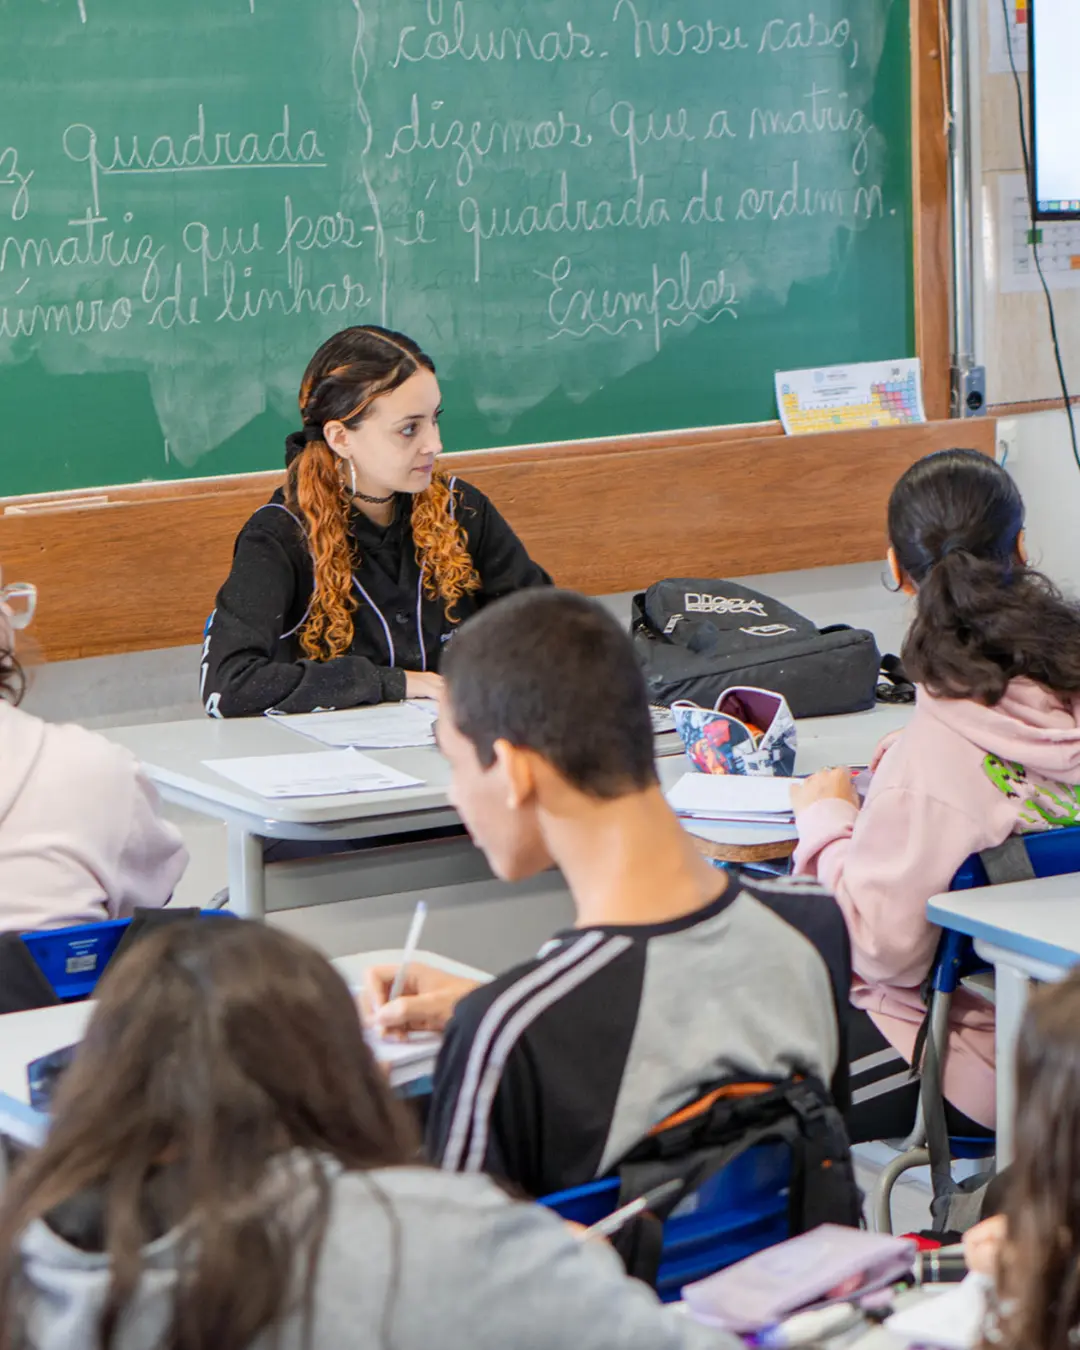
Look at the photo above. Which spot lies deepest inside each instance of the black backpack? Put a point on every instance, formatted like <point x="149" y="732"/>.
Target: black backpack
<point x="695" y="1143"/>
<point x="695" y="638"/>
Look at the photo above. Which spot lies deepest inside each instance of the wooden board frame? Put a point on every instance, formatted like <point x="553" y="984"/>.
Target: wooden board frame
<point x="128" y="569"/>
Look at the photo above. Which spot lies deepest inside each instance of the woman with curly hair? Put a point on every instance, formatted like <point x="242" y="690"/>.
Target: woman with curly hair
<point x="346" y="585"/>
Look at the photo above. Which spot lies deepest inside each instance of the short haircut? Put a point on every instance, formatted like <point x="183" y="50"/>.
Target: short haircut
<point x="552" y="672"/>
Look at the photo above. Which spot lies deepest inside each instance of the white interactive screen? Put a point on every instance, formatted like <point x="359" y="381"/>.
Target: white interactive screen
<point x="1055" y="106"/>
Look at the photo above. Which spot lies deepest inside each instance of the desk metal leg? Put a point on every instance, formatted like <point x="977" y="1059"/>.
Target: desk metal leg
<point x="247" y="874"/>
<point x="1011" y="996"/>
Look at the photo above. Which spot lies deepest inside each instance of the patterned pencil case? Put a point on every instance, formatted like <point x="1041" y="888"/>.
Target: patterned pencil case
<point x="749" y="732"/>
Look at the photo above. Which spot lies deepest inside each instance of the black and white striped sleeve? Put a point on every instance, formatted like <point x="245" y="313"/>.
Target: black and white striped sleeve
<point x="465" y="1135"/>
<point x="518" y="1092"/>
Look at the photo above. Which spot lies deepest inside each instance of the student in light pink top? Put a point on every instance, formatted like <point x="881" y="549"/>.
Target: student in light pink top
<point x="81" y="838"/>
<point x="993" y="749"/>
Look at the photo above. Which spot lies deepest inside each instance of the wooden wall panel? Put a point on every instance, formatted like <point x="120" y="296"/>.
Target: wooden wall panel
<point x="930" y="198"/>
<point x="141" y="571"/>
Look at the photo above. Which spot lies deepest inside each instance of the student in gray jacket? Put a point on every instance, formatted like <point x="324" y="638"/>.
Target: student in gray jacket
<point x="227" y="1170"/>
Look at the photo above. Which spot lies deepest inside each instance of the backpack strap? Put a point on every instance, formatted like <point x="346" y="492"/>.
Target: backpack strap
<point x="1009" y="861"/>
<point x="695" y="1143"/>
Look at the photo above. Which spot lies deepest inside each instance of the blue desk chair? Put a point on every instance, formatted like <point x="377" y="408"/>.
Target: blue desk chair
<point x="740" y="1210"/>
<point x="73" y="959"/>
<point x="1047" y="854"/>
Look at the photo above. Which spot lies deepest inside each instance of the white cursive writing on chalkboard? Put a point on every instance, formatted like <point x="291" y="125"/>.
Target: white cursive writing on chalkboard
<point x="676" y="37"/>
<point x="781" y="35"/>
<point x="639" y="131"/>
<point x="669" y="300"/>
<point x="70" y="318"/>
<point x="795" y="200"/>
<point x="11" y="177"/>
<point x="240" y="302"/>
<point x="477" y="141"/>
<point x="304" y="233"/>
<point x="561" y="216"/>
<point x="89" y="247"/>
<point x="585" y="183"/>
<point x="497" y="44"/>
<point x="198" y="152"/>
<point x="820" y="117"/>
<point x="199" y="239"/>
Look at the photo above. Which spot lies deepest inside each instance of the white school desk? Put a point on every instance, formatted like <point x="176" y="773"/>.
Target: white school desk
<point x="173" y="755"/>
<point x="26" y="1036"/>
<point x="1028" y="930"/>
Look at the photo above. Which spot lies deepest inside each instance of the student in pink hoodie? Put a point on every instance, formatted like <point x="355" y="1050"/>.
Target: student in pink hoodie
<point x="993" y="749"/>
<point x="81" y="838"/>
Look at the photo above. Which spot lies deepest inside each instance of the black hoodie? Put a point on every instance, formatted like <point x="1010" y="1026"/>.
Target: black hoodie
<point x="252" y="660"/>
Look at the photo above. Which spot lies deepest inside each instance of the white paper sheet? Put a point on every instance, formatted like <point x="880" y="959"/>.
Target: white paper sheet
<point x="327" y="773"/>
<point x="842" y="398"/>
<point x="386" y="726"/>
<point x="418" y="1052"/>
<point x="997" y="58"/>
<point x="952" y="1321"/>
<point x="711" y="796"/>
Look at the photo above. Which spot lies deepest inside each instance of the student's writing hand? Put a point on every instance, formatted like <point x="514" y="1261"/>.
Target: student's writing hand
<point x="422" y="684"/>
<point x="884" y="746"/>
<point x="829" y="783"/>
<point x="426" y="1004"/>
<point x="983" y="1244"/>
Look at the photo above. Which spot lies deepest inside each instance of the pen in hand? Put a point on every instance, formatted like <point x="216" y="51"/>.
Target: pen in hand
<point x="613" y="1222"/>
<point x="411" y="944"/>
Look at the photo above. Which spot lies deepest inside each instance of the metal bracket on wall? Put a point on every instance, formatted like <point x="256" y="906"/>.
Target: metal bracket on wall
<point x="969" y="391"/>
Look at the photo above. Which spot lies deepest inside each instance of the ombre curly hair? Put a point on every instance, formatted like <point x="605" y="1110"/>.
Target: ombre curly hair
<point x="344" y="377"/>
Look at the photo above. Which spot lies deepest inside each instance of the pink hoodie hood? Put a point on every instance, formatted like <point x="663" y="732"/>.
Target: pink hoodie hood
<point x="1030" y="726"/>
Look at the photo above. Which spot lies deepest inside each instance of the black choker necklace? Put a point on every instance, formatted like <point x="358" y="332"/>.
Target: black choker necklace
<point x="375" y="501"/>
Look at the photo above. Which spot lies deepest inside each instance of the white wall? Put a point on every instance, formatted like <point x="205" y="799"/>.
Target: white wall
<point x="1041" y="461"/>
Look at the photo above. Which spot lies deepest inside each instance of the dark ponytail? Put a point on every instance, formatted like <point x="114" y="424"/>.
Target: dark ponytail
<point x="983" y="617"/>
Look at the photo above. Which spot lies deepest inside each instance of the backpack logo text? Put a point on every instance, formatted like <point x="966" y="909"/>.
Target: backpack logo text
<point x="697" y="603"/>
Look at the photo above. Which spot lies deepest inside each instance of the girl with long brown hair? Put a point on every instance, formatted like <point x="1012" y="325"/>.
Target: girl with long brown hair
<point x="227" y="1170"/>
<point x="1032" y="1250"/>
<point x="345" y="587"/>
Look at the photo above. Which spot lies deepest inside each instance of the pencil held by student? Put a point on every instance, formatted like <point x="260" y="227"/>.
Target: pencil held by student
<point x="992" y="750"/>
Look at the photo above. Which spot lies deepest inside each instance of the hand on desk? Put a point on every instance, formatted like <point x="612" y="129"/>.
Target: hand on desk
<point x="426" y="1004"/>
<point x="422" y="684"/>
<point x="821" y="786"/>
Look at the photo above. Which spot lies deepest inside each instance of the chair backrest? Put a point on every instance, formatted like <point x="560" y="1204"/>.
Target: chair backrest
<point x="73" y="959"/>
<point x="741" y="1209"/>
<point x="1052" y="854"/>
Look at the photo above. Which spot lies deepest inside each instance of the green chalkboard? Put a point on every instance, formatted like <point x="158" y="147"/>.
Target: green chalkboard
<point x="599" y="216"/>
